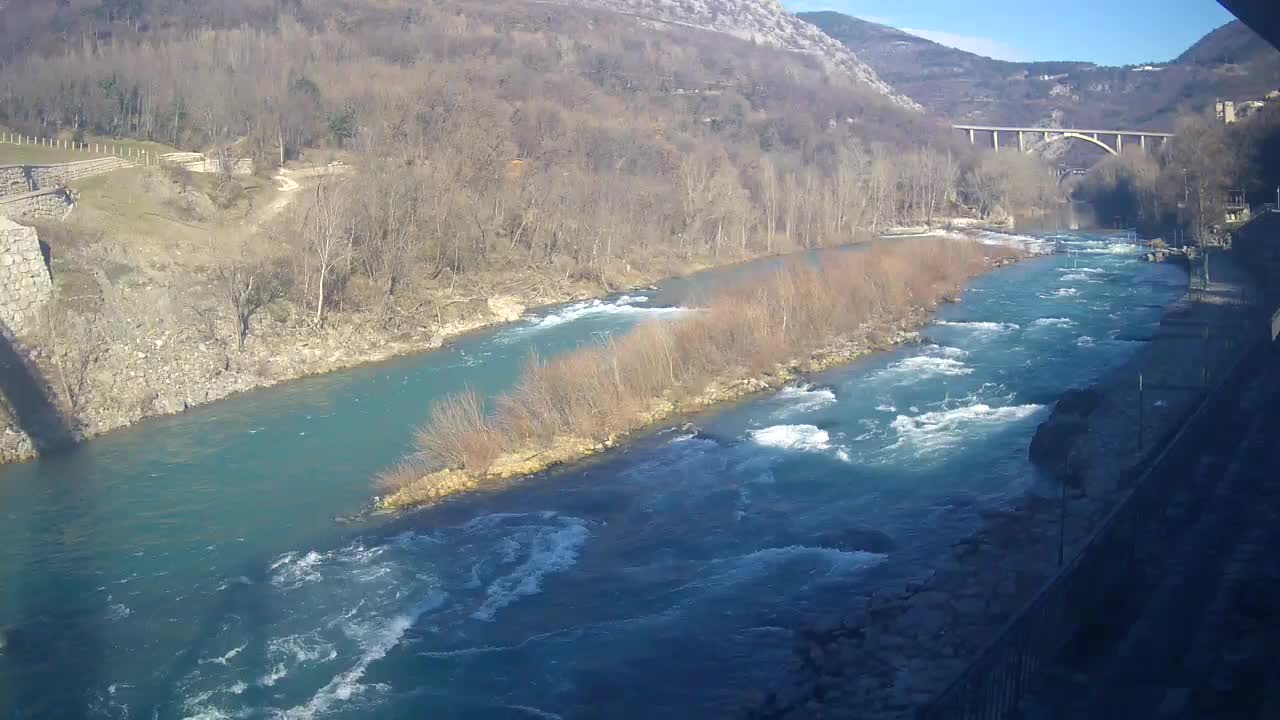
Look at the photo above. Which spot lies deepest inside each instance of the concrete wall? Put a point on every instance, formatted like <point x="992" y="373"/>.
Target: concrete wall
<point x="25" y="285"/>
<point x="53" y="204"/>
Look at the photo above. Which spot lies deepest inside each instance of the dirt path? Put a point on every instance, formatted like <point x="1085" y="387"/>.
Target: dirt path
<point x="287" y="187"/>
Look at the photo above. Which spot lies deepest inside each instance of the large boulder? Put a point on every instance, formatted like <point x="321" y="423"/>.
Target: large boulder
<point x="1054" y="439"/>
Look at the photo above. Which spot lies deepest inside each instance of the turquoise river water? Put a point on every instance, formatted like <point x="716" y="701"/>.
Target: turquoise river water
<point x="191" y="567"/>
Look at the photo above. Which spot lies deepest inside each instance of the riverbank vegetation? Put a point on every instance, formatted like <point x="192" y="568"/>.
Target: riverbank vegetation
<point x="1182" y="190"/>
<point x="526" y="152"/>
<point x="747" y="337"/>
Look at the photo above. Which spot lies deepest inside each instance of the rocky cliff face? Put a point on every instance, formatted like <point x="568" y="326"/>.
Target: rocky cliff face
<point x="764" y="22"/>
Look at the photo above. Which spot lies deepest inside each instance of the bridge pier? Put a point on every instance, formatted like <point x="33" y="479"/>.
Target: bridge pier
<point x="995" y="140"/>
<point x="1142" y="142"/>
<point x="1022" y="144"/>
<point x="971" y="140"/>
<point x="1119" y="144"/>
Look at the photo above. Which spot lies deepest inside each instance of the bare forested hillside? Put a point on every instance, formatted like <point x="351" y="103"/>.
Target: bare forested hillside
<point x="512" y="132"/>
<point x="525" y="149"/>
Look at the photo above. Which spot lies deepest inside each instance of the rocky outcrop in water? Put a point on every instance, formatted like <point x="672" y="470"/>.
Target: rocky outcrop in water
<point x="1054" y="439"/>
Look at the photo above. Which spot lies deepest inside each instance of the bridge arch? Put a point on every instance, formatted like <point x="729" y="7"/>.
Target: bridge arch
<point x="1086" y="138"/>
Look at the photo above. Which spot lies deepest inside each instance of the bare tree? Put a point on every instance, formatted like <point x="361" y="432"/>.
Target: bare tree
<point x="328" y="233"/>
<point x="247" y="283"/>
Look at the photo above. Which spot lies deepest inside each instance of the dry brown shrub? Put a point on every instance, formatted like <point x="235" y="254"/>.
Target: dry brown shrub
<point x="459" y="434"/>
<point x="600" y="391"/>
<point x="402" y="475"/>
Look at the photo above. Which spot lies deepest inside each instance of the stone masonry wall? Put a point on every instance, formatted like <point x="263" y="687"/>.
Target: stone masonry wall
<point x="14" y="180"/>
<point x="19" y="179"/>
<point x="42" y="205"/>
<point x="47" y="176"/>
<point x="25" y="285"/>
<point x="200" y="163"/>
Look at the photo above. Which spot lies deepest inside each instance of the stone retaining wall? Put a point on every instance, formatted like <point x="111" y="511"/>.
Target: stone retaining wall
<point x="201" y="163"/>
<point x="19" y="179"/>
<point x="14" y="180"/>
<point x="25" y="285"/>
<point x="53" y="204"/>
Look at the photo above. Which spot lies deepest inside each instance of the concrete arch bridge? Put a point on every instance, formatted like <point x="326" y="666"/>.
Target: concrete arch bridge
<point x="1111" y="141"/>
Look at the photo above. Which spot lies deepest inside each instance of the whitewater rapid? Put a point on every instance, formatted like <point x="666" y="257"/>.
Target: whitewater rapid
<point x="206" y="580"/>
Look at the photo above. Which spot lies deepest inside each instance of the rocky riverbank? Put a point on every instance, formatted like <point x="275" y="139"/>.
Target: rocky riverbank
<point x="891" y="653"/>
<point x="167" y="370"/>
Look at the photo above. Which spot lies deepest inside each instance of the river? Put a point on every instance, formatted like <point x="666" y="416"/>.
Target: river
<point x="191" y="567"/>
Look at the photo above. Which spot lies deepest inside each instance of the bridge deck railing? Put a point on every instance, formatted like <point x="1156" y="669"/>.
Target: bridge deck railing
<point x="1059" y="131"/>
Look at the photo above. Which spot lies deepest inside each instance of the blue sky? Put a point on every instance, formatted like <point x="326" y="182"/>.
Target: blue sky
<point x="1107" y="32"/>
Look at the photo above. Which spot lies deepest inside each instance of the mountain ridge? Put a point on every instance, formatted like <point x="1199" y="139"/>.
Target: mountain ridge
<point x="1230" y="62"/>
<point x="764" y="22"/>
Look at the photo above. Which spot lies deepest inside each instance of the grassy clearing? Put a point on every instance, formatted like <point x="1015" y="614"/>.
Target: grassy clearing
<point x="758" y="333"/>
<point x="11" y="154"/>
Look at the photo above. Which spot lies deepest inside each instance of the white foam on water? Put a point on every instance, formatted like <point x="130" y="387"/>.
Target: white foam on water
<point x="942" y="429"/>
<point x="1073" y="277"/>
<point x="984" y="328"/>
<point x="625" y="305"/>
<point x="1054" y="322"/>
<point x="803" y="438"/>
<point x="492" y="520"/>
<point x="805" y="398"/>
<point x="1085" y="341"/>
<point x="925" y="366"/>
<point x="206" y="713"/>
<point x="291" y="571"/>
<point x="886" y="408"/>
<point x="1060" y="293"/>
<point x="1099" y="247"/>
<point x="762" y="562"/>
<point x="118" y="611"/>
<point x="1026" y="243"/>
<point x="277" y="673"/>
<point x="301" y="649"/>
<point x="550" y="550"/>
<point x="376" y="638"/>
<point x="197" y="708"/>
<point x="946" y="351"/>
<point x="227" y="657"/>
<point x="535" y="712"/>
